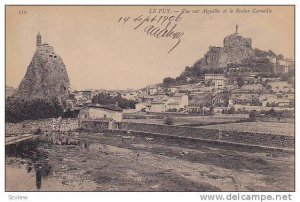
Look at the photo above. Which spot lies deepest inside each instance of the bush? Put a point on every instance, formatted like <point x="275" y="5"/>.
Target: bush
<point x="168" y="81"/>
<point x="37" y="131"/>
<point x="253" y="115"/>
<point x="231" y="110"/>
<point x="107" y="99"/>
<point x="17" y="110"/>
<point x="169" y="121"/>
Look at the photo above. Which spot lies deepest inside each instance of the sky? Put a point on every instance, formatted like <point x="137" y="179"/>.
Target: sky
<point x="101" y="53"/>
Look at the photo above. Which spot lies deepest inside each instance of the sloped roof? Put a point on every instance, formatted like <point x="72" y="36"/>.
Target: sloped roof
<point x="144" y="103"/>
<point x="174" y="103"/>
<point x="108" y="107"/>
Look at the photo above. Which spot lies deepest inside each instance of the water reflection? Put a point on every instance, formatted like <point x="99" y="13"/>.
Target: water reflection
<point x="36" y="156"/>
<point x="87" y="145"/>
<point x="84" y="145"/>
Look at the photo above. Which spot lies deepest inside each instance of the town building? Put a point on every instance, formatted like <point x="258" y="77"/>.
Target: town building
<point x="157" y="107"/>
<point x="178" y="101"/>
<point x="289" y="62"/>
<point x="281" y="62"/>
<point x="87" y="94"/>
<point x="218" y="80"/>
<point x="101" y="112"/>
<point x="131" y="95"/>
<point x="272" y="59"/>
<point x="143" y="106"/>
<point x="240" y="100"/>
<point x="173" y="89"/>
<point x="151" y="90"/>
<point x="174" y="106"/>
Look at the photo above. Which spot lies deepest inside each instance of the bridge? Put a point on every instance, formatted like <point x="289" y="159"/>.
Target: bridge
<point x="15" y="138"/>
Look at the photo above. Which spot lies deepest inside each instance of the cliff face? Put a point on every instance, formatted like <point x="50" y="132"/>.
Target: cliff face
<point x="9" y="91"/>
<point x="46" y="76"/>
<point x="225" y="55"/>
<point x="236" y="48"/>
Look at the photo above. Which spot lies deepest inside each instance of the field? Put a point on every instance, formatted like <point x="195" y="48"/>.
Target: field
<point x="190" y="120"/>
<point x="257" y="127"/>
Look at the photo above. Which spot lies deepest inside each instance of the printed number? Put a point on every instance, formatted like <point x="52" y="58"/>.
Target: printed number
<point x="22" y="12"/>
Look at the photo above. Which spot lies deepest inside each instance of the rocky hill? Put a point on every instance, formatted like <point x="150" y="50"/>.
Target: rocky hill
<point x="9" y="91"/>
<point x="46" y="76"/>
<point x="236" y="52"/>
<point x="236" y="49"/>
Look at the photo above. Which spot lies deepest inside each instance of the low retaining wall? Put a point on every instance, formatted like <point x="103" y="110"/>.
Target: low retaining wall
<point x="30" y="126"/>
<point x="94" y="126"/>
<point x="277" y="120"/>
<point x="197" y="142"/>
<point x="262" y="139"/>
<point x="98" y="126"/>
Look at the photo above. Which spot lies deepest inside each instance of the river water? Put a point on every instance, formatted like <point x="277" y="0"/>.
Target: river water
<point x="27" y="167"/>
<point x="128" y="163"/>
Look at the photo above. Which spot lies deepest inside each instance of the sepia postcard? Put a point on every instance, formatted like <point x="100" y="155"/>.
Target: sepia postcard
<point x="149" y="98"/>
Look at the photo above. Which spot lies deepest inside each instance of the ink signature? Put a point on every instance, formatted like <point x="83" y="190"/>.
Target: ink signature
<point x="164" y="26"/>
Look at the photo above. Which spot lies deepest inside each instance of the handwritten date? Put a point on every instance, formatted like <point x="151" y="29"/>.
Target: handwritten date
<point x="157" y="26"/>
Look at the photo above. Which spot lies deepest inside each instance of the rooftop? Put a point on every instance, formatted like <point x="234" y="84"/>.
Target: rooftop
<point x="108" y="107"/>
<point x="213" y="74"/>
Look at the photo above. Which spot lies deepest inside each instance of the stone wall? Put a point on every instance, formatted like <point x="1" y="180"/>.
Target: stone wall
<point x="262" y="139"/>
<point x="30" y="126"/>
<point x="94" y="126"/>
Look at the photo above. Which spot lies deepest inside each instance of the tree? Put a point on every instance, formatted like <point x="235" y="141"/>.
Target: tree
<point x="292" y="103"/>
<point x="168" y="81"/>
<point x="187" y="68"/>
<point x="253" y="115"/>
<point x="231" y="110"/>
<point x="17" y="110"/>
<point x="279" y="57"/>
<point x="271" y="112"/>
<point x="169" y="121"/>
<point x="240" y="81"/>
<point x="268" y="87"/>
<point x="256" y="102"/>
<point x="107" y="99"/>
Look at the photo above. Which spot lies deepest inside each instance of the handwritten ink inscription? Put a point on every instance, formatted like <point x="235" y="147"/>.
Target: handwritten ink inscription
<point x="164" y="22"/>
<point x="22" y="12"/>
<point x="158" y="24"/>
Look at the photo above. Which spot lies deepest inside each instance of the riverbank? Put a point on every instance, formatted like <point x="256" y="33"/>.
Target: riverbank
<point x="112" y="162"/>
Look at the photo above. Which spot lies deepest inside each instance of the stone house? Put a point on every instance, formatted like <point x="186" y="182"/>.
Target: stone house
<point x="177" y="102"/>
<point x="157" y="107"/>
<point x="100" y="112"/>
<point x="143" y="106"/>
<point x="218" y="80"/>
